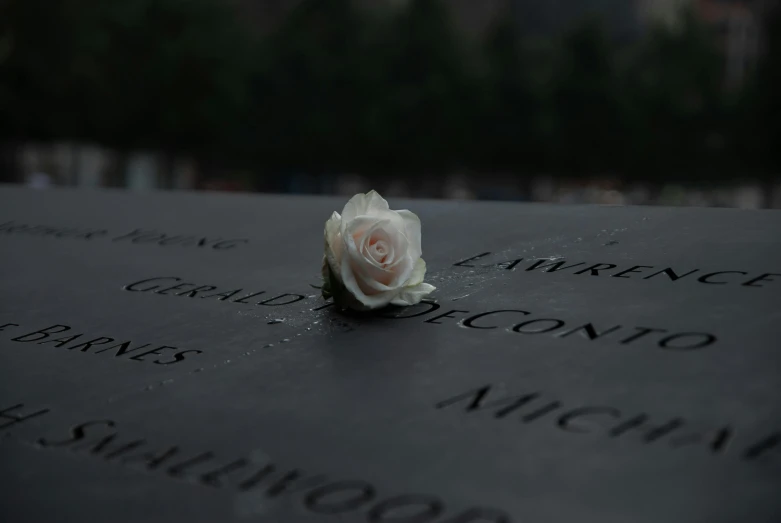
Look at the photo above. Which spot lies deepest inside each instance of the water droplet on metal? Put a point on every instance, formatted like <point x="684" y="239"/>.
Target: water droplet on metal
<point x="285" y="340"/>
<point x="276" y="320"/>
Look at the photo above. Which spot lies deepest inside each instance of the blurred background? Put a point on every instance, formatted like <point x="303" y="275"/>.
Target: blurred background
<point x="671" y="102"/>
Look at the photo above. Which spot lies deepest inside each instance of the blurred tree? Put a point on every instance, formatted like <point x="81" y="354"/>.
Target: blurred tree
<point x="677" y="107"/>
<point x="588" y="127"/>
<point x="429" y="92"/>
<point x="759" y="116"/>
<point x="136" y="73"/>
<point x="314" y="89"/>
<point x="509" y="134"/>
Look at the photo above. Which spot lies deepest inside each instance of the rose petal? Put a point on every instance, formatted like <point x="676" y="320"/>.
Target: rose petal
<point x="375" y="202"/>
<point x="412" y="295"/>
<point x="371" y="276"/>
<point x="365" y="267"/>
<point x="418" y="273"/>
<point x="412" y="232"/>
<point x="374" y="301"/>
<point x="333" y="242"/>
<point x="359" y="232"/>
<point x="369" y="204"/>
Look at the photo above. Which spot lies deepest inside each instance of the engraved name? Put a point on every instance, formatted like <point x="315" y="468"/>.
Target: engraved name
<point x="316" y="494"/>
<point x="136" y="236"/>
<point x="173" y="286"/>
<point x="613" y="270"/>
<point x="528" y="323"/>
<point x="81" y="342"/>
<point x="607" y="421"/>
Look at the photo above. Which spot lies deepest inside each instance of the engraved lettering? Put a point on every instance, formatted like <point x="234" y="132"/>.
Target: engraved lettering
<point x="446" y="315"/>
<point x="43" y="333"/>
<point x="213" y="478"/>
<point x="760" y="278"/>
<point x="87" y="344"/>
<point x="296" y="297"/>
<point x="201" y="288"/>
<point x="544" y="411"/>
<point x="430" y="509"/>
<point x="174" y="239"/>
<point x="589" y="331"/>
<point x="123" y="348"/>
<point x="329" y="304"/>
<point x="670" y="274"/>
<point x="557" y="324"/>
<point x="339" y="497"/>
<point x="179" y="356"/>
<point x="760" y="447"/>
<point x="257" y="477"/>
<point x="177" y="287"/>
<point x="8" y="418"/>
<point x="565" y="421"/>
<point x="469" y="322"/>
<point x="294" y="482"/>
<point x="243" y="298"/>
<point x="703" y="339"/>
<point x="552" y="266"/>
<point x="387" y="313"/>
<point x="643" y="332"/>
<point x="225" y="295"/>
<point x="716" y="440"/>
<point x="229" y="244"/>
<point x="706" y="278"/>
<point x="653" y="434"/>
<point x="463" y="263"/>
<point x="150" y="237"/>
<point x="151" y="459"/>
<point x="478" y="395"/>
<point x="129" y="235"/>
<point x="180" y="469"/>
<point x="509" y="265"/>
<point x="132" y="286"/>
<point x="104" y="444"/>
<point x="140" y="357"/>
<point x="480" y="515"/>
<point x="630" y="270"/>
<point x="597" y="267"/>
<point x="59" y="342"/>
<point x="78" y="433"/>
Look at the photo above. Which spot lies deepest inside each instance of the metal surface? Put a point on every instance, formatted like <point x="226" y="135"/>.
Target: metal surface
<point x="639" y="380"/>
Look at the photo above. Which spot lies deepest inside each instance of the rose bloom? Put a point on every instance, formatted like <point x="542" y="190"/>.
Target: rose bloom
<point x="373" y="255"/>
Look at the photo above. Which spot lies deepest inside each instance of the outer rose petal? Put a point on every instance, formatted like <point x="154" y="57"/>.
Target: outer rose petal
<point x="414" y="289"/>
<point x="374" y="301"/>
<point x="333" y="242"/>
<point x="371" y="204"/>
<point x="413" y="295"/>
<point x="412" y="231"/>
<point x="375" y="202"/>
<point x="418" y="273"/>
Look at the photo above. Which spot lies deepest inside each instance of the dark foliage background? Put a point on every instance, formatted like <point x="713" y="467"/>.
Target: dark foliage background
<point x="333" y="88"/>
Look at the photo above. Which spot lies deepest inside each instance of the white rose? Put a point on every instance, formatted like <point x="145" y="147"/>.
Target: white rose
<point x="372" y="255"/>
